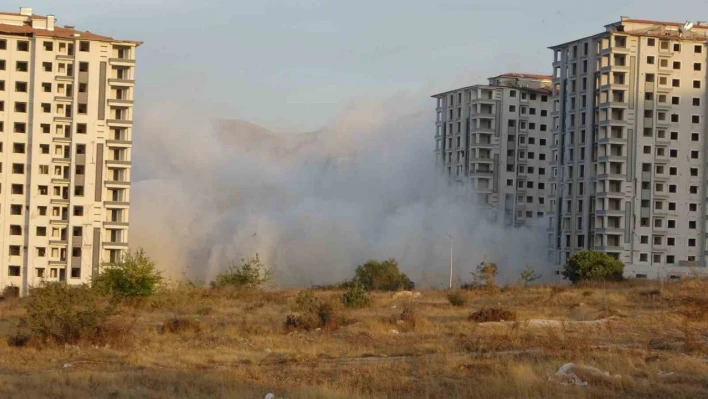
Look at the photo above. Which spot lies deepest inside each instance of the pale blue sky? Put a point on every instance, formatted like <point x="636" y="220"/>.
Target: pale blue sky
<point x="293" y="65"/>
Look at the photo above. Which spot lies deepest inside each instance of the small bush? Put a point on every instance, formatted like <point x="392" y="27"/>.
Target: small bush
<point x="311" y="313"/>
<point x="10" y="292"/>
<point x="492" y="314"/>
<point x="19" y="339"/>
<point x="65" y="314"/>
<point x="593" y="266"/>
<point x="250" y="274"/>
<point x="355" y="297"/>
<point x="382" y="276"/>
<point x="135" y="276"/>
<point x="177" y="325"/>
<point x="456" y="298"/>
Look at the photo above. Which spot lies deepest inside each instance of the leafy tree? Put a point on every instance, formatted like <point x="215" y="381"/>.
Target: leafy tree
<point x="594" y="266"/>
<point x="485" y="275"/>
<point x="382" y="276"/>
<point x="135" y="276"/>
<point x="250" y="274"/>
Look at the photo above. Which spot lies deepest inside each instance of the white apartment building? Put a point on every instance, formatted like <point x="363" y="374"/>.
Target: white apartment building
<point x="495" y="139"/>
<point x="629" y="147"/>
<point x="66" y="107"/>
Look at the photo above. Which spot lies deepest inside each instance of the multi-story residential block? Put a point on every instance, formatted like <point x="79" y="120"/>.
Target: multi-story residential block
<point x="66" y="108"/>
<point x="629" y="147"/>
<point x="495" y="139"/>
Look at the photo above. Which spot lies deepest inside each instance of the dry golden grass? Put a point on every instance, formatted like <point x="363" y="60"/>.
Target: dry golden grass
<point x="196" y="342"/>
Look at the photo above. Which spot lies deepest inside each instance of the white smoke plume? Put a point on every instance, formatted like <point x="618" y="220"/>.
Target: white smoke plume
<point x="315" y="205"/>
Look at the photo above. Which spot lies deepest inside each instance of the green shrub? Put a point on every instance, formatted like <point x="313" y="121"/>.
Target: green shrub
<point x="135" y="276"/>
<point x="527" y="276"/>
<point x="382" y="276"/>
<point x="250" y="274"/>
<point x="456" y="298"/>
<point x="593" y="266"/>
<point x="355" y="297"/>
<point x="311" y="313"/>
<point x="66" y="314"/>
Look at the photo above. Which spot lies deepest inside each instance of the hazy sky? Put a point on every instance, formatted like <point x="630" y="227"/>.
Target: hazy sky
<point x="293" y="65"/>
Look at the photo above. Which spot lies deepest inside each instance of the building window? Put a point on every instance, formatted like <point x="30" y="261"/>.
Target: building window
<point x="22" y="45"/>
<point x="21" y="87"/>
<point x="696" y="84"/>
<point x="84" y="46"/>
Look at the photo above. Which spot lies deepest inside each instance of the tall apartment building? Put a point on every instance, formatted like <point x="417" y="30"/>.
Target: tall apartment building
<point x="629" y="147"/>
<point x="495" y="140"/>
<point x="66" y="108"/>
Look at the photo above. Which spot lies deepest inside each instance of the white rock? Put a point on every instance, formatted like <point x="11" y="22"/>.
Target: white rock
<point x="66" y="365"/>
<point x="267" y="350"/>
<point x="269" y="396"/>
<point x="394" y="332"/>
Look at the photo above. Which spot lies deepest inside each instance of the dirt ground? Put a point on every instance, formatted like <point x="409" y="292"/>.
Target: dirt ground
<point x="645" y="341"/>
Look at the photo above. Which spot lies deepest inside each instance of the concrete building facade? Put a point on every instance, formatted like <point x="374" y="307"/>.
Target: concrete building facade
<point x="628" y="147"/>
<point x="66" y="108"/>
<point x="495" y="140"/>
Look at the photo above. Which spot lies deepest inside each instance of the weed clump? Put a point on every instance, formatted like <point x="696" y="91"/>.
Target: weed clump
<point x="177" y="325"/>
<point x="456" y="298"/>
<point x="492" y="314"/>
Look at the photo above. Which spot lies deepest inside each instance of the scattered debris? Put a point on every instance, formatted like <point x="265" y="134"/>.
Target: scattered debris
<point x="567" y="376"/>
<point x="665" y="373"/>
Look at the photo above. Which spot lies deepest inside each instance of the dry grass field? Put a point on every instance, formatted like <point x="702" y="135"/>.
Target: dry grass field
<point x="648" y="342"/>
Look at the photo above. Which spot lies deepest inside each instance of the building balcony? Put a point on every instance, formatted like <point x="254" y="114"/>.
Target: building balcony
<point x="61" y="139"/>
<point x="58" y="243"/>
<point x="612" y="158"/>
<point x="116" y="204"/>
<point x="609" y="230"/>
<point x="119" y="122"/>
<point x="120" y="102"/>
<point x="61" y="160"/>
<point x="612" y="140"/>
<point x="610" y="194"/>
<point x="56" y="220"/>
<point x="121" y="82"/>
<point x="119" y="143"/>
<point x="609" y="212"/>
<point x="482" y="172"/>
<point x="61" y="181"/>
<point x="115" y="244"/>
<point x="608" y="248"/>
<point x="121" y="61"/>
<point x="63" y="99"/>
<point x="115" y="162"/>
<point x="64" y="78"/>
<point x="65" y="118"/>
<point x="115" y="224"/>
<point x="117" y="183"/>
<point x="59" y="201"/>
<point x="611" y="176"/>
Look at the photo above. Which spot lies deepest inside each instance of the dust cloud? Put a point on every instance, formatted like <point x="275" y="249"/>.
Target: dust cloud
<point x="312" y="205"/>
